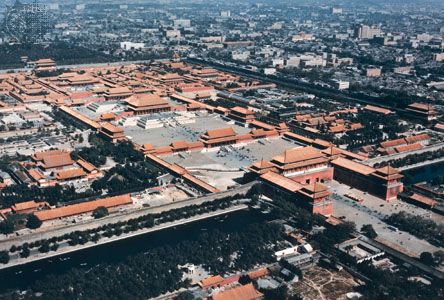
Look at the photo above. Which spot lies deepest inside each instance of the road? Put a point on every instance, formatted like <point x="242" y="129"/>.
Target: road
<point x="48" y="232"/>
<point x="294" y="84"/>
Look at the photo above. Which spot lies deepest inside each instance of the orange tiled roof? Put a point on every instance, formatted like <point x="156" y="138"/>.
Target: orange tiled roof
<point x="355" y="126"/>
<point x="263" y="164"/>
<point x="297" y="155"/>
<point x="86" y="165"/>
<point x="80" y="117"/>
<point x="378" y="109"/>
<point x="148" y="147"/>
<point x="322" y="143"/>
<point x="282" y="181"/>
<point x="316" y="189"/>
<point x="332" y="151"/>
<point x="242" y="111"/>
<point x="211" y="281"/>
<point x="144" y="100"/>
<point x="393" y="143"/>
<point x="36" y="174"/>
<point x="220" y="133"/>
<point x="163" y="150"/>
<point x="59" y="160"/>
<point x="421" y="106"/>
<point x="423" y="199"/>
<point x="337" y="128"/>
<point x="388" y="170"/>
<point x="298" y="137"/>
<point x="202" y="184"/>
<point x="258" y="273"/>
<point x="44" y="61"/>
<point x="259" y="124"/>
<point x="38" y="156"/>
<point x="112" y="128"/>
<point x="80" y="208"/>
<point x="179" y="144"/>
<point x="108" y="116"/>
<point x="118" y="90"/>
<point x="407" y="148"/>
<point x="244" y="292"/>
<point x="417" y="138"/>
<point x="353" y="166"/>
<point x="70" y="174"/>
<point x="24" y="206"/>
<point x="439" y="126"/>
<point x="194" y="145"/>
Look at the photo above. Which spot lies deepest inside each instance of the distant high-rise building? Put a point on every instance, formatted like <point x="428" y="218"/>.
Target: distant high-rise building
<point x="172" y="34"/>
<point x="365" y="32"/>
<point x="80" y="7"/>
<point x="225" y="13"/>
<point x="424" y="37"/>
<point x="182" y="23"/>
<point x="438" y="57"/>
<point x="336" y="11"/>
<point x="373" y="72"/>
<point x="53" y="6"/>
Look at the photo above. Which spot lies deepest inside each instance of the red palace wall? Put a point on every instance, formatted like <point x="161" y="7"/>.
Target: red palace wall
<point x="326" y="209"/>
<point x="321" y="176"/>
<point x="322" y="206"/>
<point x="392" y="193"/>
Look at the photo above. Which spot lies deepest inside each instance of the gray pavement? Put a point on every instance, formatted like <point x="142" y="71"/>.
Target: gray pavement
<point x="360" y="214"/>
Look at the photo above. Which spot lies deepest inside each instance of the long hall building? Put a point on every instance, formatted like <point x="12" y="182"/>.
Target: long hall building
<point x="384" y="182"/>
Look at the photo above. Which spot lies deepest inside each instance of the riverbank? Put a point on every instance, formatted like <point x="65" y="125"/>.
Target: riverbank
<point x="48" y="231"/>
<point x="422" y="164"/>
<point x="70" y="249"/>
<point x="423" y="172"/>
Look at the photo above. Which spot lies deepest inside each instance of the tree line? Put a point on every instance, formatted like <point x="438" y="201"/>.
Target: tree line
<point x="148" y="275"/>
<point x="419" y="227"/>
<point x="118" y="228"/>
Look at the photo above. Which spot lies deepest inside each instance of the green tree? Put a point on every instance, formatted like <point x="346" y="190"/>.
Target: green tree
<point x="54" y="247"/>
<point x="185" y="296"/>
<point x="427" y="258"/>
<point x="244" y="279"/>
<point x="280" y="293"/>
<point x="369" y="231"/>
<point x="439" y="257"/>
<point x="7" y="227"/>
<point x="44" y="247"/>
<point x="4" y="257"/>
<point x="100" y="212"/>
<point x="33" y="222"/>
<point x="25" y="252"/>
